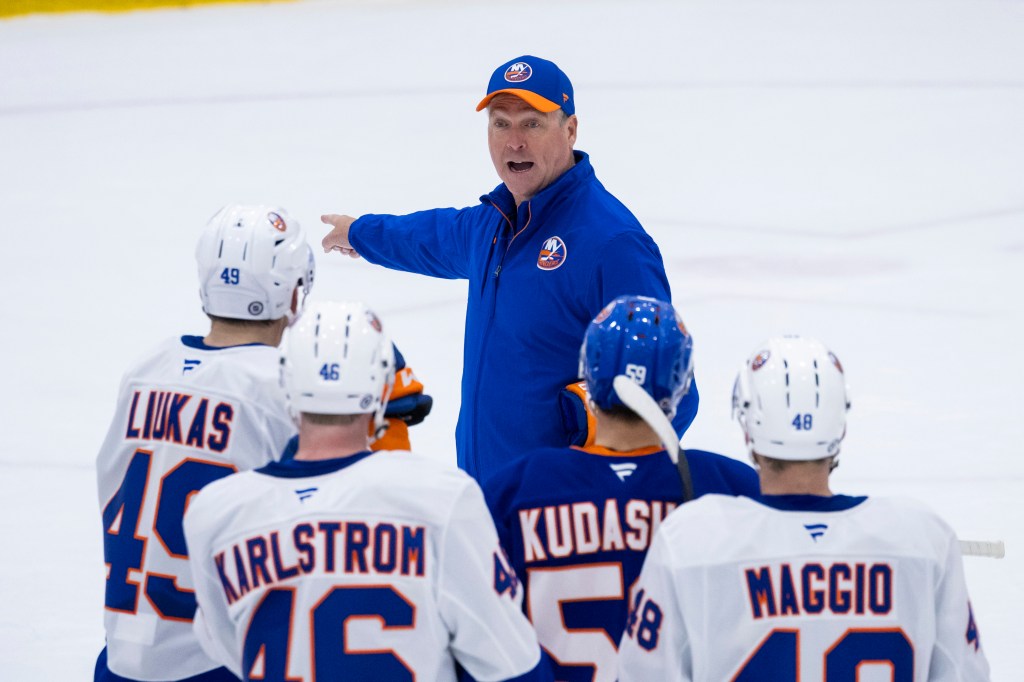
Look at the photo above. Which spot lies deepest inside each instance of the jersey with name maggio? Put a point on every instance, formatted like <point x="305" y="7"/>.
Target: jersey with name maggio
<point x="802" y="587"/>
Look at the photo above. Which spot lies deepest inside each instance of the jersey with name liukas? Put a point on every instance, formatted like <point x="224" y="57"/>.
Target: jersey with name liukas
<point x="377" y="566"/>
<point x="577" y="523"/>
<point x="802" y="587"/>
<point x="186" y="415"/>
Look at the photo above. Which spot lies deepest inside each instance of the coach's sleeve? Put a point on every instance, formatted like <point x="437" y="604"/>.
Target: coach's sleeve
<point x="480" y="598"/>
<point x="435" y="242"/>
<point x="654" y="644"/>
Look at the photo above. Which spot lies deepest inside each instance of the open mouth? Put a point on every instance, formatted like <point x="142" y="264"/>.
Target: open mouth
<point x="520" y="166"/>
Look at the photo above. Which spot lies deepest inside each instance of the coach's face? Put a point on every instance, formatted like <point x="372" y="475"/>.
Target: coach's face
<point x="529" y="149"/>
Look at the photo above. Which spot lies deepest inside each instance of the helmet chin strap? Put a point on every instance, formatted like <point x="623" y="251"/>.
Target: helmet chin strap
<point x="638" y="400"/>
<point x="380" y="422"/>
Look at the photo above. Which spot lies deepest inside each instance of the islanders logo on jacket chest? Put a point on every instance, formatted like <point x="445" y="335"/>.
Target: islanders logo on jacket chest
<point x="552" y="254"/>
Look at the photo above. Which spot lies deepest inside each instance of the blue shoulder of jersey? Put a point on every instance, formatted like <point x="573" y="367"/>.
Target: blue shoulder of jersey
<point x="295" y="468"/>
<point x="198" y="343"/>
<point x="811" y="503"/>
<point x="714" y="473"/>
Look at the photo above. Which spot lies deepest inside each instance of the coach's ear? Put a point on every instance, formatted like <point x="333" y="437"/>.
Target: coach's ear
<point x="578" y="420"/>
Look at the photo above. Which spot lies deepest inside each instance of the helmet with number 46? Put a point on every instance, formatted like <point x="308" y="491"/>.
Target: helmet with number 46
<point x="339" y="360"/>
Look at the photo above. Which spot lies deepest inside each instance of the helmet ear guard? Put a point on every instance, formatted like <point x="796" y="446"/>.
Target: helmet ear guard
<point x="790" y="399"/>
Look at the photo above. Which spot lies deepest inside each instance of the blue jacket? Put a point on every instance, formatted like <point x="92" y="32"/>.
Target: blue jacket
<point x="531" y="297"/>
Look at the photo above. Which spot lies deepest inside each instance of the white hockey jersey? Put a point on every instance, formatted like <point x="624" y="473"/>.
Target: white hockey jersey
<point x="186" y="415"/>
<point x="382" y="566"/>
<point x="802" y="587"/>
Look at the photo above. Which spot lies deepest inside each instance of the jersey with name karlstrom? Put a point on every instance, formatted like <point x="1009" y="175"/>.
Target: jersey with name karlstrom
<point x="577" y="524"/>
<point x="375" y="566"/>
<point x="802" y="587"/>
<point x="186" y="415"/>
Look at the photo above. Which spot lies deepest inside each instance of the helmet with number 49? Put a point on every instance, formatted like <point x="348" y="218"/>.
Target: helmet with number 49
<point x="251" y="259"/>
<point x="339" y="360"/>
<point x="790" y="398"/>
<point x="643" y="339"/>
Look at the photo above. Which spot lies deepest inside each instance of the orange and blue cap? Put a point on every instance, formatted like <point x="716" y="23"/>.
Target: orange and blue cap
<point x="536" y="81"/>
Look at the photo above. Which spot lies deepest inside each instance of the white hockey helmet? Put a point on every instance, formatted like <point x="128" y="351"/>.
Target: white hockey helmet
<point x="250" y="260"/>
<point x="791" y="400"/>
<point x="339" y="360"/>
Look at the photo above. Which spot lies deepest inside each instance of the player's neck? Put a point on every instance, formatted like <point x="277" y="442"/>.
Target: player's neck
<point x="223" y="335"/>
<point x="623" y="436"/>
<point x="331" y="441"/>
<point x="794" y="481"/>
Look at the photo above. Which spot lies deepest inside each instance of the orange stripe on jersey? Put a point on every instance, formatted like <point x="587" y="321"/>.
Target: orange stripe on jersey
<point x="579" y="389"/>
<point x="605" y="452"/>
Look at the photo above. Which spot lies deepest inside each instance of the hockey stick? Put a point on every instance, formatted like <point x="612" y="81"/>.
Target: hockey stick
<point x="994" y="549"/>
<point x="638" y="400"/>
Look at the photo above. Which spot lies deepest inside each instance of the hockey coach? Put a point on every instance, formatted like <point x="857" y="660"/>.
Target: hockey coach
<point x="544" y="252"/>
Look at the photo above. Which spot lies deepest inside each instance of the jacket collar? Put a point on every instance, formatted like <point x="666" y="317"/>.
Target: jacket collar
<point x="580" y="173"/>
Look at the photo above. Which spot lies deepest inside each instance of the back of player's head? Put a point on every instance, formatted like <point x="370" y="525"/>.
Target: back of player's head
<point x="250" y="260"/>
<point x="339" y="360"/>
<point x="643" y="339"/>
<point x="790" y="399"/>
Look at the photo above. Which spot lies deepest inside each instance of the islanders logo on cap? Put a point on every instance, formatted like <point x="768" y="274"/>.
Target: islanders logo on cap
<point x="552" y="254"/>
<point x="277" y="221"/>
<point x="518" y="72"/>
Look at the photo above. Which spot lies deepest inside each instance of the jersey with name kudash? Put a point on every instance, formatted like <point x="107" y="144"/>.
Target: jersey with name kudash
<point x="577" y="522"/>
<point x="186" y="415"/>
<point x="802" y="587"/>
<point x="377" y="566"/>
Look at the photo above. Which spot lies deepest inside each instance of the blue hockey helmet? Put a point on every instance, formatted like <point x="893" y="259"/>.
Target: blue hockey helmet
<point x="643" y="339"/>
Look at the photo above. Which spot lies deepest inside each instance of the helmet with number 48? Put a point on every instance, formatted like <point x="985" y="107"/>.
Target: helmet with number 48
<point x="791" y="400"/>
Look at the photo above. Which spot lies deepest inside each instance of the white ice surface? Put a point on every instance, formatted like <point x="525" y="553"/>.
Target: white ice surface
<point x="848" y="169"/>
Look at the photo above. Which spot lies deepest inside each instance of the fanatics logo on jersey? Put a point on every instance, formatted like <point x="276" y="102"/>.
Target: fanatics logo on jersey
<point x="305" y="493"/>
<point x="518" y="72"/>
<point x="277" y="221"/>
<point x="552" y="254"/>
<point x="816" y="530"/>
<point x="623" y="470"/>
<point x="190" y="365"/>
